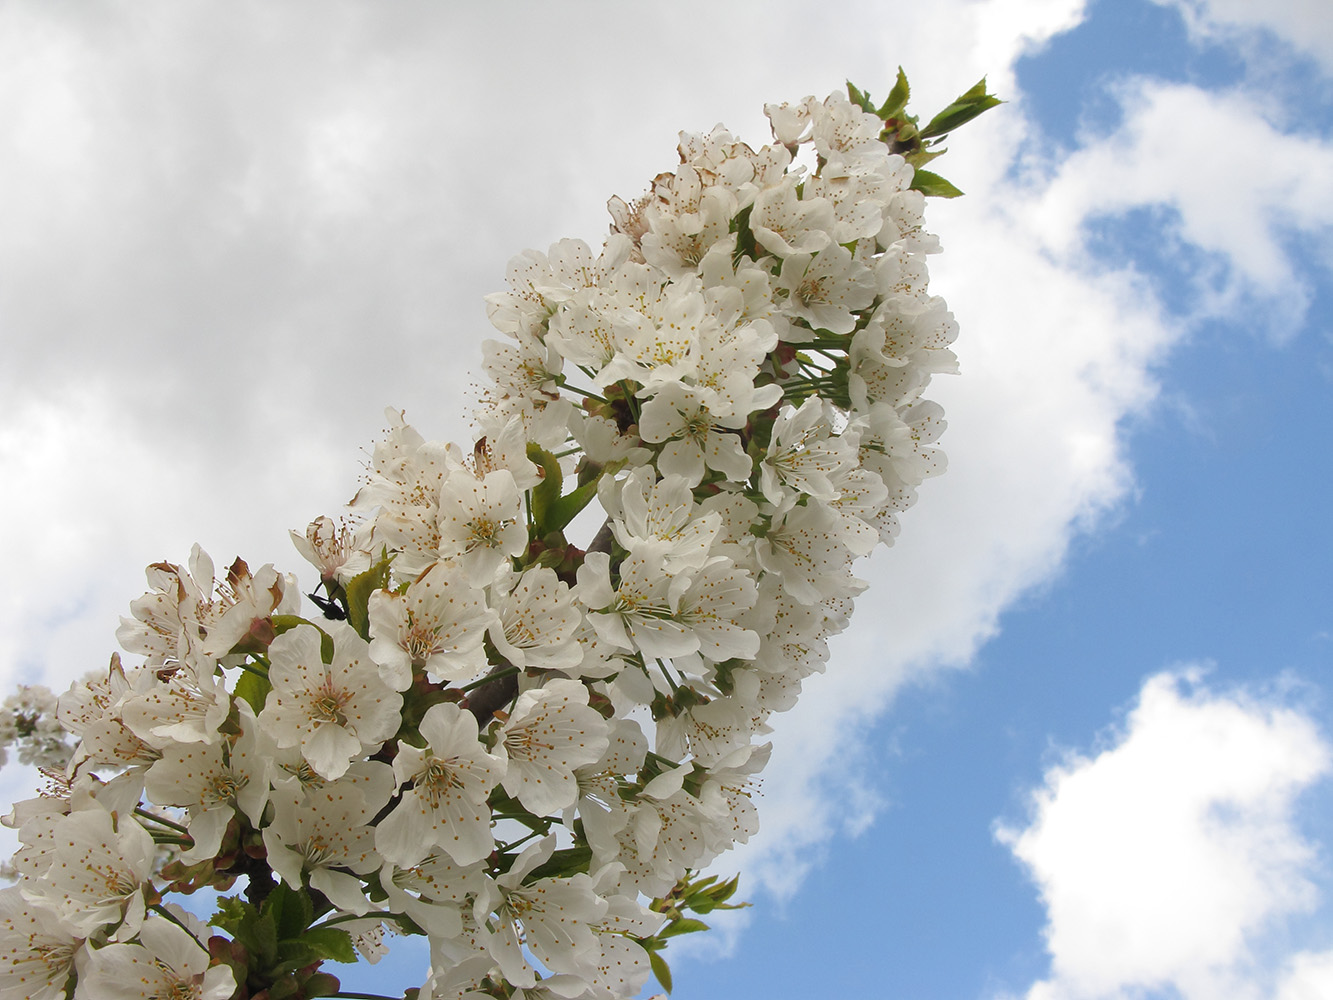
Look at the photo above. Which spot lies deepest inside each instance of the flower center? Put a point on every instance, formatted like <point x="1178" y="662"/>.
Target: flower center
<point x="484" y="531"/>
<point x="178" y="989"/>
<point x="420" y="642"/>
<point x="328" y="704"/>
<point x="523" y="744"/>
<point x="811" y="290"/>
<point x="223" y="786"/>
<point x="437" y="778"/>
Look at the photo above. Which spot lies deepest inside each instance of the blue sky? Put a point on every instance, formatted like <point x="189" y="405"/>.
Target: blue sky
<point x="235" y="238"/>
<point x="1218" y="557"/>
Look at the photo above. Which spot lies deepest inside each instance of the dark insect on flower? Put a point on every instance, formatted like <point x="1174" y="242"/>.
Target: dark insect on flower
<point x="331" y="608"/>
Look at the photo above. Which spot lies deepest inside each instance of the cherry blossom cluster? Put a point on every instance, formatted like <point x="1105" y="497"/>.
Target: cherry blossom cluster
<point x="521" y="747"/>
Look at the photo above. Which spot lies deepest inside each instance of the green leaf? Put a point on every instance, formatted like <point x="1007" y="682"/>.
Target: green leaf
<point x="330" y="942"/>
<point x="563" y="863"/>
<point x="896" y="102"/>
<point x="745" y="243"/>
<point x="660" y="970"/>
<point x="860" y="98"/>
<point x="232" y="911"/>
<point x="932" y="185"/>
<point x="918" y="158"/>
<point x="263" y="932"/>
<point x="552" y="512"/>
<point x="252" y="930"/>
<point x="292" y="910"/>
<point x="254" y="689"/>
<point x="726" y="890"/>
<point x="547" y="491"/>
<point x="286" y="988"/>
<point x="359" y="589"/>
<point x="565" y="509"/>
<point x="685" y="925"/>
<point x="321" y="984"/>
<point x="974" y="102"/>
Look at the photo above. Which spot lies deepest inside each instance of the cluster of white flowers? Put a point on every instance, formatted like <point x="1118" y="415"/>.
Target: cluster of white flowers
<point x="28" y="722"/>
<point x="521" y="748"/>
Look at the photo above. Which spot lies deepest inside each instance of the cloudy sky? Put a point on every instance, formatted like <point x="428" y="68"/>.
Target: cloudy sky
<point x="1077" y="743"/>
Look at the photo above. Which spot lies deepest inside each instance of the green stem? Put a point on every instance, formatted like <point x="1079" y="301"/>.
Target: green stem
<point x="498" y="675"/>
<point x="140" y="811"/>
<point x="835" y="353"/>
<point x="583" y="392"/>
<point x="522" y="817"/>
<point x="522" y="840"/>
<point x="162" y="911"/>
<point x="667" y="674"/>
<point x="165" y="838"/>
<point x="347" y="918"/>
<point x="253" y="670"/>
<point x="631" y="400"/>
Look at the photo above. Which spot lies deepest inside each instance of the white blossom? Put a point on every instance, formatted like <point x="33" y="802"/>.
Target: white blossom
<point x="536" y="620"/>
<point x="324" y="835"/>
<point x="480" y="523"/>
<point x="332" y="711"/>
<point x="99" y="866"/>
<point x="554" y="917"/>
<point x="444" y="803"/>
<point x="36" y="951"/>
<point x="167" y="963"/>
<point x="551" y="732"/>
<point x="437" y="627"/>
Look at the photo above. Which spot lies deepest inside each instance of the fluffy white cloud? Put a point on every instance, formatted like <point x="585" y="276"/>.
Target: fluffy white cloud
<point x="1240" y="201"/>
<point x="1163" y="859"/>
<point x="1303" y="24"/>
<point x="1308" y="976"/>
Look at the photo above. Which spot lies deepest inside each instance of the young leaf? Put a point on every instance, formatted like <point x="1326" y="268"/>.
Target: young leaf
<point x="684" y="925"/>
<point x="547" y="492"/>
<point x="860" y="98"/>
<point x="254" y="689"/>
<point x="563" y="510"/>
<point x="330" y="942"/>
<point x="961" y="111"/>
<point x="232" y="910"/>
<point x="292" y="910"/>
<point x="932" y="185"/>
<point x="660" y="969"/>
<point x="359" y="589"/>
<point x="896" y="102"/>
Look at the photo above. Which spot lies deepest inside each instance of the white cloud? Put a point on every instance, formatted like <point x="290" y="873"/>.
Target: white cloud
<point x="1240" y="189"/>
<point x="1303" y="24"/>
<point x="232" y="238"/>
<point x="1162" y="860"/>
<point x="1308" y="976"/>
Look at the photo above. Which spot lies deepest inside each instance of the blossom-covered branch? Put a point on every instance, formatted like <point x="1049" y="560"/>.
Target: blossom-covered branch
<point x="522" y="747"/>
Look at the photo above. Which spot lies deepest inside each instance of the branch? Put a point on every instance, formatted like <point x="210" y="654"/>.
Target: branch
<point x="493" y="695"/>
<point x="601" y="542"/>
